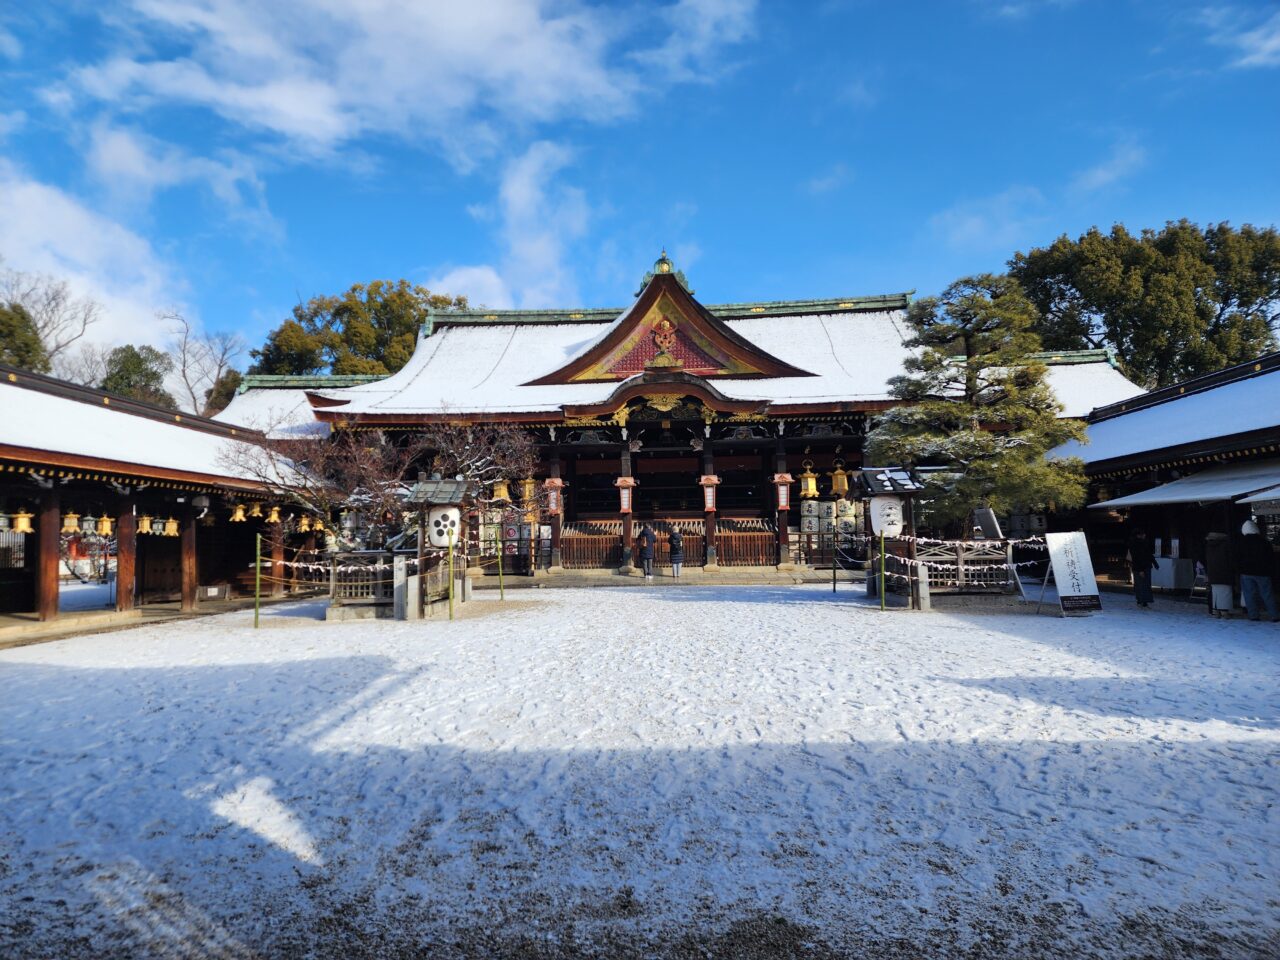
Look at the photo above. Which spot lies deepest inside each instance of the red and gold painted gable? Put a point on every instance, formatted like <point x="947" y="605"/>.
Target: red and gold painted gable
<point x="668" y="331"/>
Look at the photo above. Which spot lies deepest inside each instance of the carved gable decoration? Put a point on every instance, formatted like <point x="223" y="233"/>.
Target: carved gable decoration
<point x="668" y="331"/>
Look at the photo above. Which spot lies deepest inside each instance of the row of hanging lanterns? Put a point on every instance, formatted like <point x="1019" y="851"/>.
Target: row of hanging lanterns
<point x="240" y="513"/>
<point x="809" y="481"/>
<point x="87" y="526"/>
<point x="21" y="522"/>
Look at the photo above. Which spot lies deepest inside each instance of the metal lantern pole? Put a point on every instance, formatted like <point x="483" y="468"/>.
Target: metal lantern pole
<point x="257" y="580"/>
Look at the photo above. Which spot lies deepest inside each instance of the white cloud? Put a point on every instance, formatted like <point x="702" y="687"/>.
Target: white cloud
<point x="1258" y="43"/>
<point x="134" y="166"/>
<point x="11" y="121"/>
<point x="539" y="221"/>
<point x="834" y="177"/>
<point x="44" y="230"/>
<point x="998" y="222"/>
<point x="321" y="73"/>
<point x="10" y="47"/>
<point x="1126" y="157"/>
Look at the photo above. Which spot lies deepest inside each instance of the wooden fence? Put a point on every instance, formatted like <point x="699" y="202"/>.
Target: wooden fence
<point x="746" y="549"/>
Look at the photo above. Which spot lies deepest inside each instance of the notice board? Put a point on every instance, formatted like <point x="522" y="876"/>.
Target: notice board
<point x="1073" y="572"/>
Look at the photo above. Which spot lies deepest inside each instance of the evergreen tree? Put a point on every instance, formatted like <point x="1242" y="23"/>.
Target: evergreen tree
<point x="370" y="329"/>
<point x="1172" y="304"/>
<point x="979" y="406"/>
<point x="138" y="373"/>
<point x="20" y="343"/>
<point x="220" y="395"/>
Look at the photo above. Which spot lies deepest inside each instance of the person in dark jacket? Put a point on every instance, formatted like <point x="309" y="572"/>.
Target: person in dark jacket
<point x="647" y="541"/>
<point x="676" y="543"/>
<point x="1142" y="560"/>
<point x="1255" y="560"/>
<point x="1219" y="570"/>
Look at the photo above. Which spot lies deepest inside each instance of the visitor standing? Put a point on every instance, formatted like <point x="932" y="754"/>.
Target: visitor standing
<point x="647" y="541"/>
<point x="676" y="543"/>
<point x="1142" y="560"/>
<point x="1219" y="570"/>
<point x="1256" y="558"/>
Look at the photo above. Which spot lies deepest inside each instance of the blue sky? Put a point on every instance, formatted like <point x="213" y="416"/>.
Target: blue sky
<point x="228" y="157"/>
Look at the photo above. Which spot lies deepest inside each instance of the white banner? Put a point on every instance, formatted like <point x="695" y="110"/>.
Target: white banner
<point x="1073" y="571"/>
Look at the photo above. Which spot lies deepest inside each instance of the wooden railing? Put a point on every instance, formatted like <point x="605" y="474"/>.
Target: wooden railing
<point x="750" y="549"/>
<point x="590" y="551"/>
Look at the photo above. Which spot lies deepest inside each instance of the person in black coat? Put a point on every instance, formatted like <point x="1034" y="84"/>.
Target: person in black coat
<point x="1142" y="560"/>
<point x="647" y="542"/>
<point x="1255" y="559"/>
<point x="676" y="543"/>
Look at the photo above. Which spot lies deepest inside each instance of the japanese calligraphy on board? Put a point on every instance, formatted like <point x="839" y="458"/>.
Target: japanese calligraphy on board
<point x="1073" y="572"/>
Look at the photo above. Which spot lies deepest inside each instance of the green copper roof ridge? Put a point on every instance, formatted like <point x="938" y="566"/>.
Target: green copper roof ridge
<point x="480" y="317"/>
<point x="280" y="381"/>
<point x="1063" y="357"/>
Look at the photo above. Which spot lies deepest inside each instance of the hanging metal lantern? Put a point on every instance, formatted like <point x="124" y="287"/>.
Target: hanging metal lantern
<point x="808" y="482"/>
<point x="318" y="526"/>
<point x="70" y="523"/>
<point x="171" y="527"/>
<point x="348" y="520"/>
<point x="839" y="480"/>
<point x="528" y="489"/>
<point x="104" y="526"/>
<point x="237" y="514"/>
<point x="144" y="524"/>
<point x="500" y="491"/>
<point x="255" y="510"/>
<point x="4" y="523"/>
<point x="274" y="515"/>
<point x="88" y="525"/>
<point x="304" y="525"/>
<point x="22" y="522"/>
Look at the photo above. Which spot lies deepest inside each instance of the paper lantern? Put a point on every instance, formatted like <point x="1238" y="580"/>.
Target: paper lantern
<point x="625" y="485"/>
<point x="171" y="527"/>
<point x="782" y="483"/>
<point x="443" y="525"/>
<point x="886" y="516"/>
<point x="70" y="523"/>
<point x="708" y="482"/>
<point x="552" y="485"/>
<point x="104" y="526"/>
<point x="22" y="522"/>
<point x="144" y="524"/>
<point x="237" y="513"/>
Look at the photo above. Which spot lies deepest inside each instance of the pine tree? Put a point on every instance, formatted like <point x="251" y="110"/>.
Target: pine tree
<point x="978" y="406"/>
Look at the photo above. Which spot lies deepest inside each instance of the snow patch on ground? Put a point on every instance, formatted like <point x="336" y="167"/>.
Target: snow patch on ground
<point x="620" y="770"/>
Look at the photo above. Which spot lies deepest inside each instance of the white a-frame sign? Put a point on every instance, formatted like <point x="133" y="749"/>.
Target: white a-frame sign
<point x="1072" y="573"/>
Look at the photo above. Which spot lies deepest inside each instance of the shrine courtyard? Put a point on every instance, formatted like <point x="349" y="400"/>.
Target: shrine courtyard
<point x="685" y="772"/>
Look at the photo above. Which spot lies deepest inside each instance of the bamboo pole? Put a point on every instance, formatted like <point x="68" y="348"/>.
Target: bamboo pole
<point x="881" y="569"/>
<point x="257" y="580"/>
<point x="450" y="574"/>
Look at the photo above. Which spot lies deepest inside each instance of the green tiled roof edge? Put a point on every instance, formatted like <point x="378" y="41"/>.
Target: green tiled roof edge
<point x="263" y="381"/>
<point x="762" y="308"/>
<point x="1055" y="358"/>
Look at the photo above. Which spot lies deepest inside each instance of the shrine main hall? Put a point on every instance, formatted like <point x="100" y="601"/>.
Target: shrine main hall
<point x="669" y="411"/>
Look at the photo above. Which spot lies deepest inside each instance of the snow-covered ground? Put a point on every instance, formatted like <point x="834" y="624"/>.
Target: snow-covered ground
<point x="695" y="772"/>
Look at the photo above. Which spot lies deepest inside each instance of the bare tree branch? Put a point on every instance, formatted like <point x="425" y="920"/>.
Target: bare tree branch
<point x="61" y="318"/>
<point x="199" y="359"/>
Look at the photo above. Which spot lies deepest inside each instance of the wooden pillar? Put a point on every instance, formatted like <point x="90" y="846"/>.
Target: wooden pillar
<point x="709" y="517"/>
<point x="628" y="529"/>
<point x="126" y="554"/>
<point x="48" y="541"/>
<point x="277" y="560"/>
<point x="783" y="518"/>
<point x="187" y="561"/>
<point x="558" y="515"/>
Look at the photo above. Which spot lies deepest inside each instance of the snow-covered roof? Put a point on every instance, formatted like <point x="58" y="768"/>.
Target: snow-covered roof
<point x="1207" y="486"/>
<point x="278" y="413"/>
<point x="1233" y="407"/>
<point x="54" y="421"/>
<point x="478" y="368"/>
